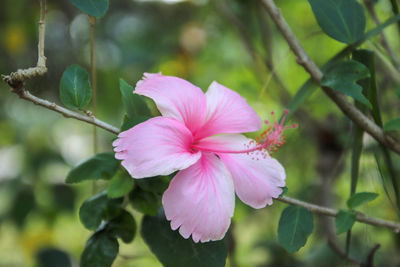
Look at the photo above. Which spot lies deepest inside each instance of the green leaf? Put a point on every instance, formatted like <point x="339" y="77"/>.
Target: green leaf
<point x="123" y="226"/>
<point x="75" y="87"/>
<point x="342" y="76"/>
<point x="343" y="20"/>
<point x="95" y="8"/>
<point x="392" y="125"/>
<point x="129" y="123"/>
<point x="360" y="198"/>
<point x="97" y="208"/>
<point x="173" y="250"/>
<point x="101" y="166"/>
<point x="344" y="221"/>
<point x="295" y="225"/>
<point x="145" y="202"/>
<point x="155" y="184"/>
<point x="134" y="104"/>
<point x="120" y="185"/>
<point x="100" y="251"/>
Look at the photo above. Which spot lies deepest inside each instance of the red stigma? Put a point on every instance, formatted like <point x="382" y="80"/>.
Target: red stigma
<point x="272" y="138"/>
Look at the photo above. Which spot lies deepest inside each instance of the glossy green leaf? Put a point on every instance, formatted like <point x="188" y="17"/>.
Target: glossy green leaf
<point x="97" y="208"/>
<point x="342" y="76"/>
<point x="75" y="87"/>
<point x="173" y="250"/>
<point x="145" y="202"/>
<point x="95" y="8"/>
<point x="360" y="198"/>
<point x="295" y="225"/>
<point x="155" y="184"/>
<point x="343" y="20"/>
<point x="123" y="226"/>
<point x="120" y="185"/>
<point x="392" y="125"/>
<point x="135" y="105"/>
<point x="344" y="221"/>
<point x="100" y="166"/>
<point x="100" y="251"/>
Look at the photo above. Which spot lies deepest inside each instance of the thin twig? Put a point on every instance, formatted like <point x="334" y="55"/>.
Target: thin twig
<point x="22" y="93"/>
<point x="395" y="226"/>
<point x="340" y="99"/>
<point x="16" y="79"/>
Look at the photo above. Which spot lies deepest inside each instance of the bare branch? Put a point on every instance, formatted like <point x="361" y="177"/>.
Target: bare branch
<point x="22" y="93"/>
<point x="340" y="99"/>
<point x="16" y="79"/>
<point x="332" y="212"/>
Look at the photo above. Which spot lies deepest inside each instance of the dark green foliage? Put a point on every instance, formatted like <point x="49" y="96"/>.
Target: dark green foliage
<point x="342" y="76"/>
<point x="100" y="251"/>
<point x="98" y="208"/>
<point x="63" y="197"/>
<point x="343" y="20"/>
<point x="23" y="203"/>
<point x="155" y="184"/>
<point x="100" y="166"/>
<point x="174" y="251"/>
<point x="51" y="257"/>
<point x="120" y="185"/>
<point x="144" y="201"/>
<point x="123" y="226"/>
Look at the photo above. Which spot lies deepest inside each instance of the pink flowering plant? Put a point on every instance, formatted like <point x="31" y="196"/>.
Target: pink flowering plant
<point x="200" y="136"/>
<point x="182" y="155"/>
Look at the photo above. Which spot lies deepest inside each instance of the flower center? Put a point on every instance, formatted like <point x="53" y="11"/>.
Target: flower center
<point x="268" y="142"/>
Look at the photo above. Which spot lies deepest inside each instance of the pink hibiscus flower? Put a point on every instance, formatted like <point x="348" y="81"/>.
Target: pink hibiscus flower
<point x="198" y="135"/>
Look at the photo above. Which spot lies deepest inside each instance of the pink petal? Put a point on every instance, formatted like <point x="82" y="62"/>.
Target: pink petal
<point x="158" y="146"/>
<point x="201" y="200"/>
<point x="257" y="179"/>
<point x="227" y="112"/>
<point x="175" y="98"/>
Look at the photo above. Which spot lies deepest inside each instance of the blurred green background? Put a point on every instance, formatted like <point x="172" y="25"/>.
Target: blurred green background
<point x="233" y="42"/>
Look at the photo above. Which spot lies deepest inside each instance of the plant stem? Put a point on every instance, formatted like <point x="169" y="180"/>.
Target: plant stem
<point x="340" y="99"/>
<point x="93" y="77"/>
